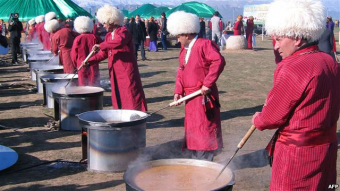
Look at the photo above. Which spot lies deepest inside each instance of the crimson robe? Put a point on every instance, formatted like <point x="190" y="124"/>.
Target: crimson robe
<point x="82" y="46"/>
<point x="304" y="103"/>
<point x="44" y="36"/>
<point x="38" y="28"/>
<point x="32" y="34"/>
<point x="249" y="33"/>
<point x="126" y="84"/>
<point x="238" y="28"/>
<point x="204" y="66"/>
<point x="62" y="41"/>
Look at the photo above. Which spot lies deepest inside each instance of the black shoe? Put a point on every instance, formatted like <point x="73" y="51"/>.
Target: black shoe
<point x="143" y="59"/>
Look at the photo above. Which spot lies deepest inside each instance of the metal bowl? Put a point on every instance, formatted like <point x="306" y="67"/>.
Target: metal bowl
<point x="175" y="172"/>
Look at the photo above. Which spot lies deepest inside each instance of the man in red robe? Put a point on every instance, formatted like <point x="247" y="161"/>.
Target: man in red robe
<point x="82" y="46"/>
<point x="238" y="28"/>
<point x="31" y="34"/>
<point x="303" y="103"/>
<point x="200" y="65"/>
<point x="62" y="40"/>
<point x="44" y="35"/>
<point x="39" y="23"/>
<point x="249" y="32"/>
<point x="126" y="84"/>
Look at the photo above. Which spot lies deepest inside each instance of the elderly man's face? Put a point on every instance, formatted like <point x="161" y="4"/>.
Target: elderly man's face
<point x="286" y="46"/>
<point x="137" y="18"/>
<point x="183" y="39"/>
<point x="108" y="27"/>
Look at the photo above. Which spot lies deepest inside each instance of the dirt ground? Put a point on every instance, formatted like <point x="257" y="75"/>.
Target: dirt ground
<point x="243" y="87"/>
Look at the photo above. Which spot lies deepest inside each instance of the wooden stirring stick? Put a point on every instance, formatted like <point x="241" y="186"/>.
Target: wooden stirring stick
<point x="239" y="146"/>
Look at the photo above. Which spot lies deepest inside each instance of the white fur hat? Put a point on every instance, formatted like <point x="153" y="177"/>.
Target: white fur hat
<point x="49" y="16"/>
<point x="296" y="18"/>
<point x="110" y="15"/>
<point x="83" y="24"/>
<point x="181" y="22"/>
<point x="31" y="22"/>
<point x="51" y="26"/>
<point x="40" y="18"/>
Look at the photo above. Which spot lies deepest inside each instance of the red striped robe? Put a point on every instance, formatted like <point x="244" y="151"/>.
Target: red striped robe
<point x="62" y="41"/>
<point x="204" y="66"/>
<point x="123" y="70"/>
<point x="81" y="48"/>
<point x="304" y="99"/>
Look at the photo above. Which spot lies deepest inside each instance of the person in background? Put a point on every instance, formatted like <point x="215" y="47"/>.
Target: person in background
<point x="81" y="48"/>
<point x="216" y="28"/>
<point x="153" y="31"/>
<point x="3" y="28"/>
<point x="32" y="33"/>
<point x="200" y="64"/>
<point x="164" y="31"/>
<point x="228" y="27"/>
<point x="126" y="23"/>
<point x="238" y="27"/>
<point x="249" y="31"/>
<point x="330" y="25"/>
<point x="201" y="34"/>
<point x="126" y="85"/>
<point x="138" y="32"/>
<point x="99" y="30"/>
<point x="15" y="28"/>
<point x="131" y="22"/>
<point x="39" y="20"/>
<point x="69" y="23"/>
<point x="62" y="41"/>
<point x="44" y="35"/>
<point x="303" y="151"/>
<point x="325" y="42"/>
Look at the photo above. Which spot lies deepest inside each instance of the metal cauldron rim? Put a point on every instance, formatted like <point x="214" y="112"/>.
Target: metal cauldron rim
<point x="48" y="69"/>
<point x="57" y="77"/>
<point x="99" y="91"/>
<point x="133" y="170"/>
<point x="111" y="126"/>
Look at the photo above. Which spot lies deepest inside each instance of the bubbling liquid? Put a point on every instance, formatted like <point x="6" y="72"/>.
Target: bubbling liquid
<point x="181" y="177"/>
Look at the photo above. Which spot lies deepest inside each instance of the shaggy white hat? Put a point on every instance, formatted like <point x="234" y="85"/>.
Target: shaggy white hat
<point x="40" y="18"/>
<point x="181" y="22"/>
<point x="296" y="18"/>
<point x="110" y="15"/>
<point x="51" y="26"/>
<point x="83" y="24"/>
<point x="31" y="22"/>
<point x="49" y="16"/>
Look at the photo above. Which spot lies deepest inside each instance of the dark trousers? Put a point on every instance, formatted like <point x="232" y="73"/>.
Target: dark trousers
<point x="202" y="155"/>
<point x="142" y="50"/>
<point x="163" y="39"/>
<point x="15" y="48"/>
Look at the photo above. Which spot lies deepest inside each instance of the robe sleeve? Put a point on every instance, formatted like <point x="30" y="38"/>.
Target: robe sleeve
<point x="179" y="85"/>
<point x="215" y="61"/>
<point x="281" y="100"/>
<point x="40" y="34"/>
<point x="55" y="43"/>
<point x="100" y="56"/>
<point x="236" y="25"/>
<point x="74" y="52"/>
<point x="121" y="39"/>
